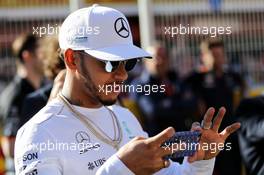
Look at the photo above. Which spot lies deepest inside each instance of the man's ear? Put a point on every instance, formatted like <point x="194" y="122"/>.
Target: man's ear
<point x="69" y="59"/>
<point x="26" y="56"/>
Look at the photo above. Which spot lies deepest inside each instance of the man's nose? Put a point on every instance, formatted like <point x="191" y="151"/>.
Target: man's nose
<point x="120" y="74"/>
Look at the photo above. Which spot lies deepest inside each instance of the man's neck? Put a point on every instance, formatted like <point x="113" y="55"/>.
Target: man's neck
<point x="77" y="97"/>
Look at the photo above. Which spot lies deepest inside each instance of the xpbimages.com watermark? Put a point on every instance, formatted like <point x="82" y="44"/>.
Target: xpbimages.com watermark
<point x="55" y="29"/>
<point x="212" y="31"/>
<point x="145" y="89"/>
<point x="85" y="147"/>
<point x="82" y="147"/>
<point x="183" y="146"/>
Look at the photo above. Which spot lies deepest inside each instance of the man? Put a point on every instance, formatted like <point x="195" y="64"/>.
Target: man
<point x="215" y="85"/>
<point x="29" y="77"/>
<point x="251" y="138"/>
<point x="83" y="114"/>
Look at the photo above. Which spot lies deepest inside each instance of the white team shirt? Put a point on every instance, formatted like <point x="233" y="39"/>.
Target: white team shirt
<point x="52" y="143"/>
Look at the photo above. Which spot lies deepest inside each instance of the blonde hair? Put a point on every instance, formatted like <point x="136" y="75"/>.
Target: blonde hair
<point x="53" y="64"/>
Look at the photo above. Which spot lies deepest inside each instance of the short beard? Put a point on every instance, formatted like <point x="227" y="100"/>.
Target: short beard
<point x="92" y="88"/>
<point x="107" y="102"/>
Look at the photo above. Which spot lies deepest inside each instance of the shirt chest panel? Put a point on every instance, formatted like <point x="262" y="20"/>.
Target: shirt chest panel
<point x="86" y="153"/>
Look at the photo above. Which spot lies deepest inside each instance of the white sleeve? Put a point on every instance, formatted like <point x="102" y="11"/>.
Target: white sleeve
<point x="202" y="167"/>
<point x="114" y="166"/>
<point x="32" y="155"/>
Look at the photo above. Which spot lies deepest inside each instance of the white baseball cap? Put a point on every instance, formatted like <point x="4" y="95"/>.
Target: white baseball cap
<point x="102" y="32"/>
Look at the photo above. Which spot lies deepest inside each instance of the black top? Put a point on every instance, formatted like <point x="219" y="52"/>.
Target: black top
<point x="251" y="134"/>
<point x="216" y="91"/>
<point x="11" y="100"/>
<point x="34" y="102"/>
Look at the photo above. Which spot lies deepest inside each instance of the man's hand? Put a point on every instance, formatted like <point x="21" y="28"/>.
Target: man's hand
<point x="211" y="136"/>
<point x="145" y="156"/>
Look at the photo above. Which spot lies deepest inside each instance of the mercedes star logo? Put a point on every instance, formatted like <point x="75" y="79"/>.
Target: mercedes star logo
<point x="121" y="27"/>
<point x="82" y="137"/>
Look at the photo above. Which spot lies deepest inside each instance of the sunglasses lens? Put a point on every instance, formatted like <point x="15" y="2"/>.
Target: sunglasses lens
<point x="115" y="65"/>
<point x="130" y="64"/>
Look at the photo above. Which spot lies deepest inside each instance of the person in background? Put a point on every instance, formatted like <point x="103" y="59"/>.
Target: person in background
<point x="53" y="65"/>
<point x="171" y="105"/>
<point x="251" y="135"/>
<point x="28" y="78"/>
<point x="215" y="85"/>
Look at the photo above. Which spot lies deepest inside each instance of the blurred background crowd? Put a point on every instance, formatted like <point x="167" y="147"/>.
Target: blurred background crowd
<point x="197" y="70"/>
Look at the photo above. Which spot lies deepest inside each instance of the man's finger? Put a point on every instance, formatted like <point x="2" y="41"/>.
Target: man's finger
<point x="196" y="126"/>
<point x="208" y="116"/>
<point x="168" y="149"/>
<point x="162" y="137"/>
<point x="163" y="164"/>
<point x="138" y="138"/>
<point x="193" y="158"/>
<point x="230" y="129"/>
<point x="218" y="119"/>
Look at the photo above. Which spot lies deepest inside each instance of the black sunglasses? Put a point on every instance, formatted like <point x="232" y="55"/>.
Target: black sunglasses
<point x="111" y="66"/>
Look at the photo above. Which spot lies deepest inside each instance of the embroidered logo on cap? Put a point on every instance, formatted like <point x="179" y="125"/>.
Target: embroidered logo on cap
<point x="121" y="27"/>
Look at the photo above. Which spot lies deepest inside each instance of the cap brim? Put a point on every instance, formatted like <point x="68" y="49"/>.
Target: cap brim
<point x="118" y="53"/>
